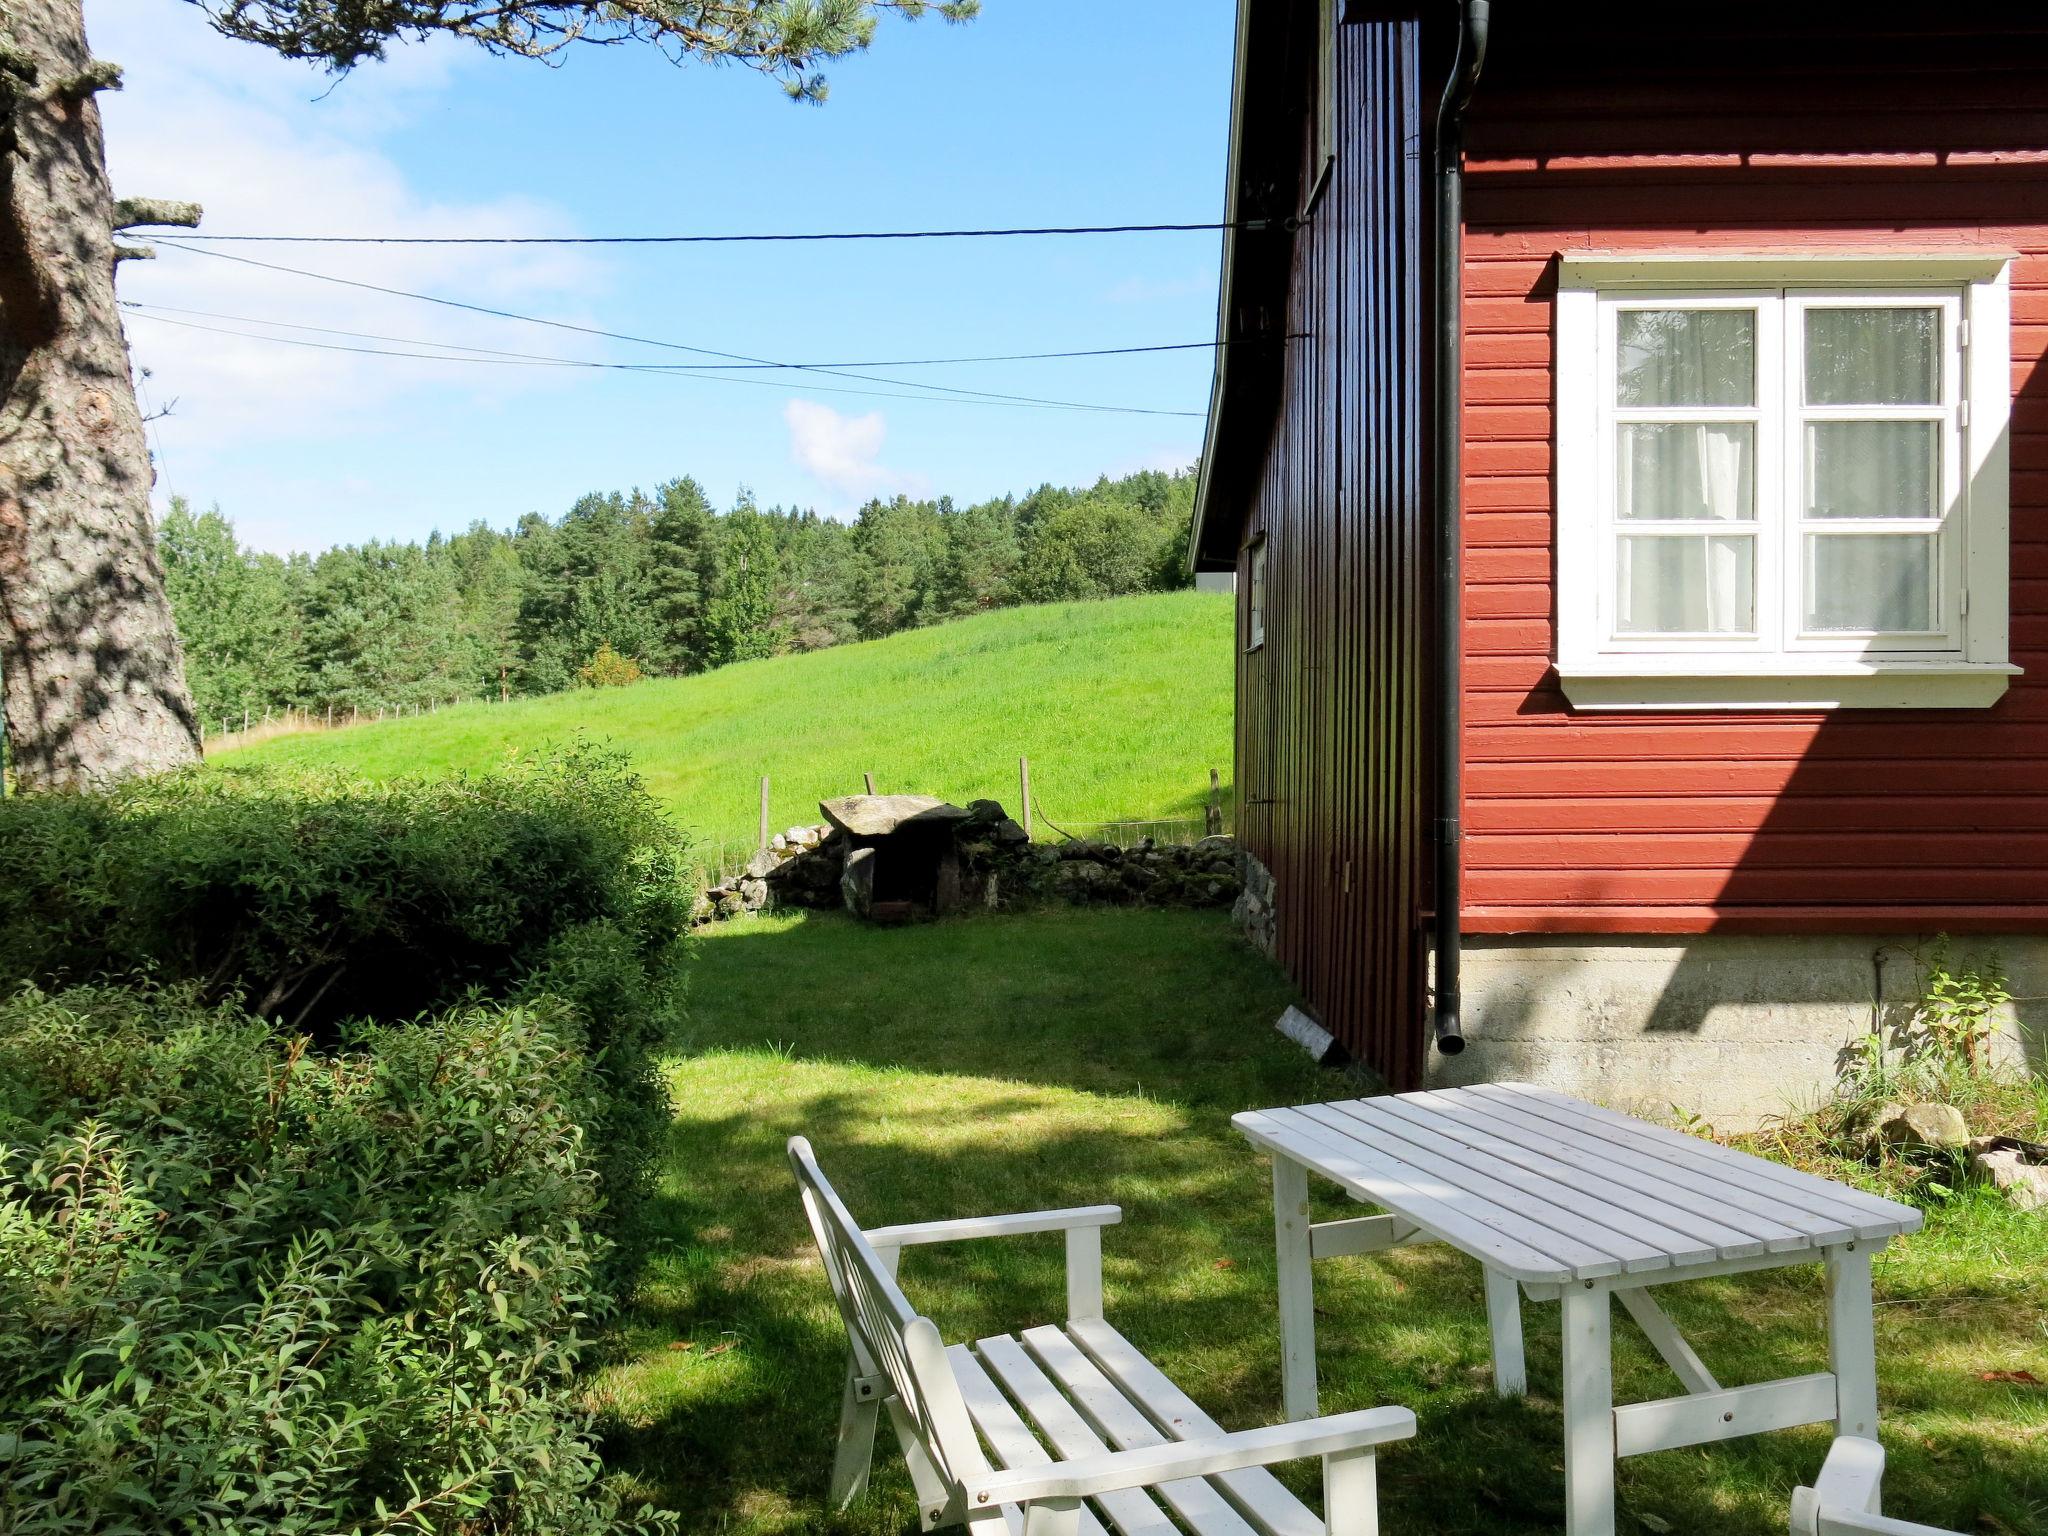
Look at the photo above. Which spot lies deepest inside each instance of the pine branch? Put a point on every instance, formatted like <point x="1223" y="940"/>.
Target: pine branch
<point x="138" y="212"/>
<point x="97" y="76"/>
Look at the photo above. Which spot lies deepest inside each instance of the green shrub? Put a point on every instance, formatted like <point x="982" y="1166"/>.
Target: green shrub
<point x="248" y="1286"/>
<point x="313" y="899"/>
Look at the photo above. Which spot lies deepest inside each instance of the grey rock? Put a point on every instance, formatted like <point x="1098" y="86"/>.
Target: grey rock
<point x="754" y="893"/>
<point x="730" y="904"/>
<point x="986" y="812"/>
<point x="857" y="882"/>
<point x="1009" y="834"/>
<point x="1920" y="1127"/>
<point x="1082" y="848"/>
<point x="2007" y="1170"/>
<point x="1218" y="843"/>
<point x="761" y="863"/>
<point x="879" y="815"/>
<point x="778" y="842"/>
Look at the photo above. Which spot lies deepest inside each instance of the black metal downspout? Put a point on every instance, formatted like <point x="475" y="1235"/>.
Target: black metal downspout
<point x="1450" y="359"/>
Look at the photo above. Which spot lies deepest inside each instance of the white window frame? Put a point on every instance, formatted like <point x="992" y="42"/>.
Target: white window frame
<point x="1255" y="594"/>
<point x="1962" y="665"/>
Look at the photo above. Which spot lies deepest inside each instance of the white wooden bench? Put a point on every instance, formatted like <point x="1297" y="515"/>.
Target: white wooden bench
<point x="1843" y="1500"/>
<point x="1077" y="1431"/>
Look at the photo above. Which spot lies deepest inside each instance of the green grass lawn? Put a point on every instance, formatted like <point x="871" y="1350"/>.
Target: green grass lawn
<point x="1123" y="707"/>
<point x="1070" y="1057"/>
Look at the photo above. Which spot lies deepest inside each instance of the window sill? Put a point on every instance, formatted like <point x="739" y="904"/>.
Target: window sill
<point x="1697" y="683"/>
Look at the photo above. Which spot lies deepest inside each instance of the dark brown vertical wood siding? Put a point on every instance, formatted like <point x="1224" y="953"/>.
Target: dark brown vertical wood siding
<point x="1330" y="709"/>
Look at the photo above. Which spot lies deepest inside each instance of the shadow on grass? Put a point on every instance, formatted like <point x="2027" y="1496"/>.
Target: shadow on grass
<point x="1068" y="1058"/>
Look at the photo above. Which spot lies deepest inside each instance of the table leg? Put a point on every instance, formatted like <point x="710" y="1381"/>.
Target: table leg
<point x="1504" y="1316"/>
<point x="1588" y="1411"/>
<point x="1297" y="1289"/>
<point x="1852" y="1340"/>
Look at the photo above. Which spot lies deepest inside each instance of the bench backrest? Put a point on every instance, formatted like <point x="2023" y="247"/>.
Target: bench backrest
<point x="889" y="1338"/>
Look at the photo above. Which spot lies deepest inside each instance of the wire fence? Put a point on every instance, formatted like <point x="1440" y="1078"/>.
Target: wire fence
<point x="719" y="863"/>
<point x="231" y="731"/>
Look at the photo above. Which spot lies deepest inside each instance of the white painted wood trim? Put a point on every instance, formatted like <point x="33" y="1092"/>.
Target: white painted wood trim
<point x="1987" y="456"/>
<point x="1589" y="1449"/>
<point x="1729" y="1414"/>
<point x="913" y="1234"/>
<point x="1852" y="1339"/>
<point x="1084" y="1273"/>
<point x="1665" y="1338"/>
<point x="1954" y="685"/>
<point x="1593" y="270"/>
<point x="1093" y="1476"/>
<point x="1294" y="1261"/>
<point x="1504" y="1324"/>
<point x="1834" y="1522"/>
<point x="1351" y="1493"/>
<point x="1362" y="1234"/>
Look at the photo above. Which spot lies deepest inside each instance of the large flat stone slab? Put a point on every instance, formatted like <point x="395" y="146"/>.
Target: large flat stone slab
<point x="880" y="815"/>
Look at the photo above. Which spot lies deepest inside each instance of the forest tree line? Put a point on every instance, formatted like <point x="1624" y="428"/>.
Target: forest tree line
<point x="662" y="579"/>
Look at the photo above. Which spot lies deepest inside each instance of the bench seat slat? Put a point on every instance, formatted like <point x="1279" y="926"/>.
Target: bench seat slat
<point x="1130" y="1510"/>
<point x="1201" y="1507"/>
<point x="1008" y="1435"/>
<point x="1260" y="1496"/>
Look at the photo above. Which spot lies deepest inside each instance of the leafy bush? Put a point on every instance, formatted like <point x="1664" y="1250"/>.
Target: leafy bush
<point x="608" y="669"/>
<point x="312" y="899"/>
<point x="246" y="1286"/>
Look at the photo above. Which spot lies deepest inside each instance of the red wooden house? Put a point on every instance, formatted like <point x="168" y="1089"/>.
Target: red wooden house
<point x="1631" y="439"/>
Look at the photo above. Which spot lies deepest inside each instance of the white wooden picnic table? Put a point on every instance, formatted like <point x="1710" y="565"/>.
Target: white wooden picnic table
<point x="1561" y="1200"/>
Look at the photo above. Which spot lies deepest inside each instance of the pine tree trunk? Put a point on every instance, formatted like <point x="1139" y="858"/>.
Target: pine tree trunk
<point x="90" y="666"/>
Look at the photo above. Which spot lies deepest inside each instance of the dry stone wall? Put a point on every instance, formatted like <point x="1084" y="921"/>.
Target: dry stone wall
<point x="999" y="868"/>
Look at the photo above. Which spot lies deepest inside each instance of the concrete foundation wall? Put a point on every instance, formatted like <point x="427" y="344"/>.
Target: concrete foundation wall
<point x="1733" y="1028"/>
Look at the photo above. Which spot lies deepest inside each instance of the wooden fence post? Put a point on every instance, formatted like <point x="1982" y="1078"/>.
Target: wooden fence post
<point x="764" y="812"/>
<point x="1215" y="817"/>
<point x="869" y="780"/>
<point x="245" y="717"/>
<point x="1024" y="792"/>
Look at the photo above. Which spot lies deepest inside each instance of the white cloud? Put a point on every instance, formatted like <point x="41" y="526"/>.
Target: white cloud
<point x="267" y="147"/>
<point x="843" y="453"/>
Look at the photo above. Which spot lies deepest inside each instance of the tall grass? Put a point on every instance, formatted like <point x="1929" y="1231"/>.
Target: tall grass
<point x="1122" y="706"/>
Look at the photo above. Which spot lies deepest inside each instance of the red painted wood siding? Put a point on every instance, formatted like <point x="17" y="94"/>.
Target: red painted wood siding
<point x="1329" y="709"/>
<point x="1659" y="823"/>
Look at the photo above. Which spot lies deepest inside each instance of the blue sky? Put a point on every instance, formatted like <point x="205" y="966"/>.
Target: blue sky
<point x="1041" y="112"/>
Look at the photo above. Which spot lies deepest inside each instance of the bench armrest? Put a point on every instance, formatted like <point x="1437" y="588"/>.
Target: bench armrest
<point x="1147" y="1466"/>
<point x="913" y="1233"/>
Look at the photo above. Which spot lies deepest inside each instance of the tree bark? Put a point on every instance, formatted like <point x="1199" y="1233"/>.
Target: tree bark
<point x="90" y="665"/>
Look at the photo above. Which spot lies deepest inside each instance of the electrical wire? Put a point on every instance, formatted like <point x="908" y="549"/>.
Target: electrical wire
<point x="889" y="362"/>
<point x="534" y="361"/>
<point x="801" y="238"/>
<point x="937" y="391"/>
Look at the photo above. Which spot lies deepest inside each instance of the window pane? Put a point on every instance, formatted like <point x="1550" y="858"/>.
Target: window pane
<point x="1873" y="469"/>
<point x="1873" y="356"/>
<point x="1874" y="581"/>
<point x="1686" y="357"/>
<point x="1682" y="585"/>
<point x="1687" y="469"/>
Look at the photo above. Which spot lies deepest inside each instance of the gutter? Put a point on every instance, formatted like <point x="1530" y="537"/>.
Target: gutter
<point x="1466" y="63"/>
<point x="1233" y="213"/>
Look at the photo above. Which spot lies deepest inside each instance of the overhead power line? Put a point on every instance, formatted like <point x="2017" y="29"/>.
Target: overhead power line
<point x="490" y="357"/>
<point x="934" y="391"/>
<point x="886" y="362"/>
<point x="801" y="238"/>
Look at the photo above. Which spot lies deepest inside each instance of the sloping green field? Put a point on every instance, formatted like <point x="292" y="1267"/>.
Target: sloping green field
<point x="1122" y="706"/>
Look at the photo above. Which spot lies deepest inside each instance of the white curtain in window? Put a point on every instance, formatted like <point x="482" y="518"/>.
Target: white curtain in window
<point x="1677" y="584"/>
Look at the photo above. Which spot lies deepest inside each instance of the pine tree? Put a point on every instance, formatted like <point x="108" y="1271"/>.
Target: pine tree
<point x="682" y="573"/>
